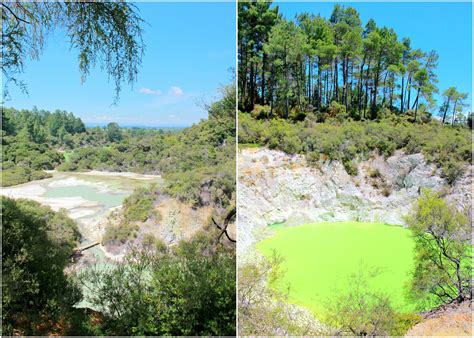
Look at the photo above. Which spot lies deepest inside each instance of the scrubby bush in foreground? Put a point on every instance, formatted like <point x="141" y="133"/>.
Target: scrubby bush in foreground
<point x="443" y="251"/>
<point x="185" y="290"/>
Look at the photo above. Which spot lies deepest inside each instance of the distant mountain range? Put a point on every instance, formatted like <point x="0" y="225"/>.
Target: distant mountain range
<point x="164" y="128"/>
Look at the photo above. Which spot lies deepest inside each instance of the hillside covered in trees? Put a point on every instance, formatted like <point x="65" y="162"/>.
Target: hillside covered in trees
<point x="190" y="160"/>
<point x="183" y="290"/>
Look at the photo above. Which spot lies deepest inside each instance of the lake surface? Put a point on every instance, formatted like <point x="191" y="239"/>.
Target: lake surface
<point x="105" y="198"/>
<point x="320" y="258"/>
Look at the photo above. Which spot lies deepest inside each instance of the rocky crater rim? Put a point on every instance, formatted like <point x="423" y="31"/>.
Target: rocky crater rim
<point x="275" y="187"/>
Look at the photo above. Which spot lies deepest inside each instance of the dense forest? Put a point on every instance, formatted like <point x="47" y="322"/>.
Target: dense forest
<point x="291" y="68"/>
<point x="30" y="140"/>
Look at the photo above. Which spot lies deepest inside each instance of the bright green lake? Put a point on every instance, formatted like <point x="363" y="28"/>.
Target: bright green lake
<point x="320" y="257"/>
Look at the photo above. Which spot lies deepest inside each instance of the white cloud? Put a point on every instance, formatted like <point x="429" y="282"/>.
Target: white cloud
<point x="149" y="91"/>
<point x="172" y="91"/>
<point x="175" y="91"/>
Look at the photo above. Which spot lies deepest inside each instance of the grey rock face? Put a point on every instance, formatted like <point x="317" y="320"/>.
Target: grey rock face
<point x="274" y="187"/>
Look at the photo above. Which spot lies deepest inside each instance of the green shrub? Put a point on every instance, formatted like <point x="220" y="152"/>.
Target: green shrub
<point x="452" y="170"/>
<point x="36" y="243"/>
<point x="373" y="173"/>
<point x="119" y="233"/>
<point x="21" y="174"/>
<point x="138" y="206"/>
<point x="185" y="291"/>
<point x="312" y="158"/>
<point x="447" y="147"/>
<point x="337" y="111"/>
<point x="351" y="167"/>
<point x="403" y="322"/>
<point x="260" y="112"/>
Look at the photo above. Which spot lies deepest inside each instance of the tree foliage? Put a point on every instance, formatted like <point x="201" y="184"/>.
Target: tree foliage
<point x="264" y="310"/>
<point x="297" y="67"/>
<point x="185" y="290"/>
<point x="442" y="234"/>
<point x="36" y="243"/>
<point x="360" y="311"/>
<point x="107" y="33"/>
<point x="30" y="140"/>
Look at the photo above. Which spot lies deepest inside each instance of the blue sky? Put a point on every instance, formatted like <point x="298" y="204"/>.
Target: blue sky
<point x="190" y="48"/>
<point x="444" y="27"/>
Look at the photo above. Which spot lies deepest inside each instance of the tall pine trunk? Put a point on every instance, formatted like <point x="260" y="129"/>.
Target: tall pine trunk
<point x="336" y="85"/>
<point x="384" y="88"/>
<point x="252" y="88"/>
<point x="359" y="85"/>
<point x="350" y="77"/>
<point x="310" y="66"/>
<point x="264" y="59"/>
<point x="416" y="103"/>
<point x="401" y="96"/>
<point x="409" y="91"/>
<point x="344" y="80"/>
<point x="454" y="111"/>
<point x="392" y="88"/>
<point x="373" y="110"/>
<point x="366" y="100"/>
<point x="319" y="86"/>
<point x="446" y="109"/>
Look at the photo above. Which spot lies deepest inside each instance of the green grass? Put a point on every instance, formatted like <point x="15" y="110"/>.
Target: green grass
<point x="320" y="257"/>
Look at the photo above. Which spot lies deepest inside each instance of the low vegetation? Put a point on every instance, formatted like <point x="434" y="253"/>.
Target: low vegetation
<point x="448" y="148"/>
<point x="138" y="207"/>
<point x="264" y="310"/>
<point x="185" y="290"/>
